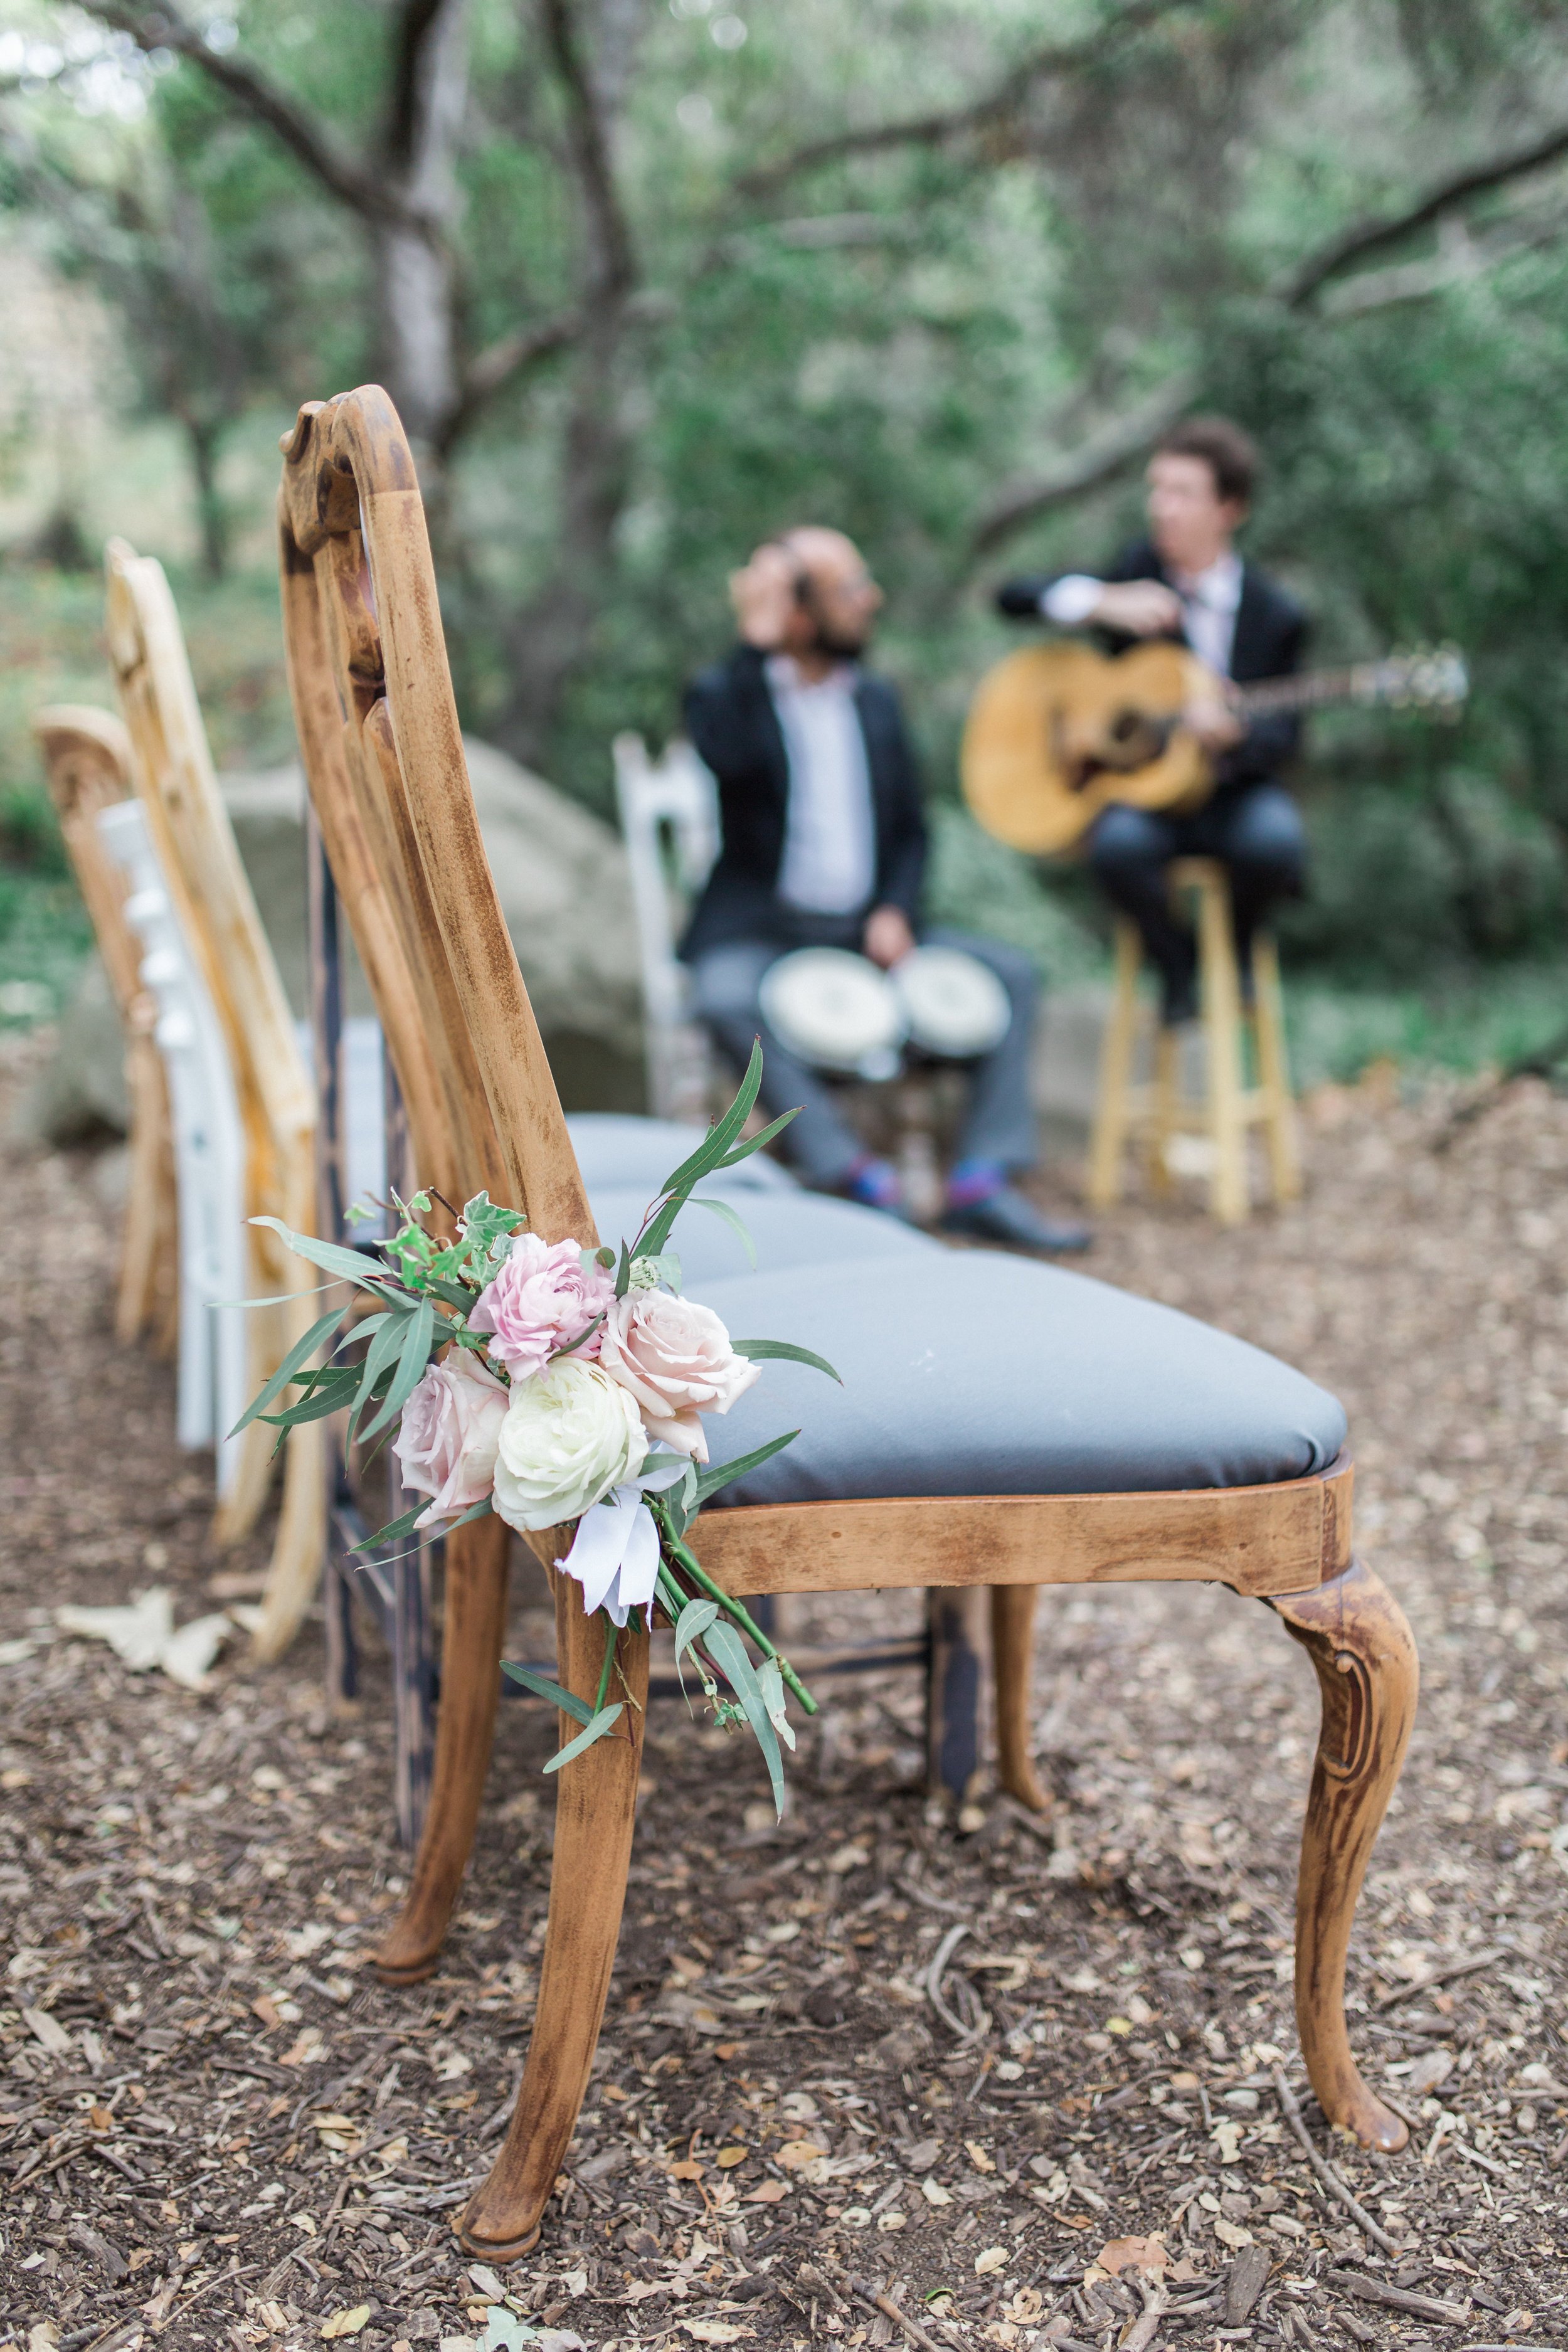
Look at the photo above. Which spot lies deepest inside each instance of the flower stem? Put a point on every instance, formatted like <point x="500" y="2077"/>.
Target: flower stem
<point x="606" y="1670"/>
<point x="743" y="1617"/>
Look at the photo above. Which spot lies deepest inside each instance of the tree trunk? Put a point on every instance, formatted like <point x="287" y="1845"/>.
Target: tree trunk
<point x="414" y="260"/>
<point x="203" y="438"/>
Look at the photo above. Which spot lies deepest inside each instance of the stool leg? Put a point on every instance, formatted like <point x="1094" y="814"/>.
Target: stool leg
<point x="1012" y="1655"/>
<point x="1165" y="1095"/>
<point x="1111" y="1109"/>
<point x="1273" y="1073"/>
<point x="1356" y="1635"/>
<point x="1221" y="1038"/>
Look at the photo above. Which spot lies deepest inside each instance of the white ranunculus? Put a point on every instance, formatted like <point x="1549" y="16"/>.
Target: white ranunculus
<point x="569" y="1437"/>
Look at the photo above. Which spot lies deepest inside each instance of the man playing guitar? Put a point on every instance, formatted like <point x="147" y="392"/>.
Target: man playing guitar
<point x="1187" y="581"/>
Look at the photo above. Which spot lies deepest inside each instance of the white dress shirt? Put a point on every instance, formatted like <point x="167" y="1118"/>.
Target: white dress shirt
<point x="1209" y="603"/>
<point x="829" y="861"/>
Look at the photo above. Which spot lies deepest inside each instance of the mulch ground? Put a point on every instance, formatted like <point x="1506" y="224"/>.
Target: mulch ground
<point x="215" y="2129"/>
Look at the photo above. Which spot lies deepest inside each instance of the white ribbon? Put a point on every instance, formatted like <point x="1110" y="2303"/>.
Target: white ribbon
<point x="615" y="1553"/>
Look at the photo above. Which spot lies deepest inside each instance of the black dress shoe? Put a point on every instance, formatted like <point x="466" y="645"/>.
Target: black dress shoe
<point x="1007" y="1217"/>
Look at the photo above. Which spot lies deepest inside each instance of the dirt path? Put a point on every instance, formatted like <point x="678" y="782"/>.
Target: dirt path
<point x="218" y="2130"/>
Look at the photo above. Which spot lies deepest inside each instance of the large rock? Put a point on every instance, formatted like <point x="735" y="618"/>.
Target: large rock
<point x="560" y="876"/>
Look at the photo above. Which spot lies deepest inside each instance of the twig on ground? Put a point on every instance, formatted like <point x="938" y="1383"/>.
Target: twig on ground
<point x="1474" y="2156"/>
<point x="945" y="1952"/>
<point x="1398" y="2298"/>
<point x="1442" y="1975"/>
<point x="1325" y="2171"/>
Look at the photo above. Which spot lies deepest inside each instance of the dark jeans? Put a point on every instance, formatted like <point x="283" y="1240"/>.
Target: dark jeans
<point x="999" y="1124"/>
<point x="1255" y="832"/>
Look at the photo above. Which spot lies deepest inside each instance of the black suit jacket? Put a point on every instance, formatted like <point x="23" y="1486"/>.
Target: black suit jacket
<point x="1270" y="633"/>
<point x="730" y="719"/>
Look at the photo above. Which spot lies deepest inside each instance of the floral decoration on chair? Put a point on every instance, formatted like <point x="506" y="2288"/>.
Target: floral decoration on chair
<point x="551" y="1383"/>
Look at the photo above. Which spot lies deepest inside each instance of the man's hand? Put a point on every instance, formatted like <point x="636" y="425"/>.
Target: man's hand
<point x="1144" y="608"/>
<point x="1213" y="722"/>
<point x="888" y="937"/>
<point x="763" y="597"/>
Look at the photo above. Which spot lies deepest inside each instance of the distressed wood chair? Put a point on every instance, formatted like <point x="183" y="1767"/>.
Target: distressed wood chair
<point x="202" y="870"/>
<point x="1042" y="1429"/>
<point x="87" y="764"/>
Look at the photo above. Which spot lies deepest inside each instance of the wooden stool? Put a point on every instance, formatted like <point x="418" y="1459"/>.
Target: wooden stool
<point x="1227" y="1106"/>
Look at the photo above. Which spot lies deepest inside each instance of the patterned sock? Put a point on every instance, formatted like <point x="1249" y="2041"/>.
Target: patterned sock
<point x="874" y="1182"/>
<point x="974" y="1180"/>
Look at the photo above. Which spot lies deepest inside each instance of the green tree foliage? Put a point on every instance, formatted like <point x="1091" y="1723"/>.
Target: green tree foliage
<point x="652" y="277"/>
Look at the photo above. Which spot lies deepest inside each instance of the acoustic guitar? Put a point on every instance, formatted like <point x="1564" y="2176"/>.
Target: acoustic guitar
<point x="1057" y="733"/>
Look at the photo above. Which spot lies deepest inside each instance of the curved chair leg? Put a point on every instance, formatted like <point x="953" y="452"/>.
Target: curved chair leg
<point x="1012" y="1659"/>
<point x="1362" y="1647"/>
<point x="595" y="1810"/>
<point x="471" y="1645"/>
<point x="300" y="1545"/>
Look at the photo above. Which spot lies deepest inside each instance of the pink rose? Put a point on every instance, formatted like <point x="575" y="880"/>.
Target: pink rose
<point x="541" y="1300"/>
<point x="451" y="1426"/>
<point x="676" y="1359"/>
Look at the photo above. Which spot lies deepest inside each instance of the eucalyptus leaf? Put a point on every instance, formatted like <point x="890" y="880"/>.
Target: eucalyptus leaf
<point x="762" y="1350"/>
<point x="723" y="1131"/>
<point x="542" y="1687"/>
<point x="721" y="1473"/>
<point x="299" y="1354"/>
<point x="690" y="1626"/>
<point x="744" y="1150"/>
<point x="386" y="1345"/>
<point x="350" y="1264"/>
<point x="725" y="1647"/>
<point x="421" y="1337"/>
<point x="728" y="1216"/>
<point x="605" y="1721"/>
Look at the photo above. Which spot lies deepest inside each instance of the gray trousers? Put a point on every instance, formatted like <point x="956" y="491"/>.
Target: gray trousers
<point x="999" y="1124"/>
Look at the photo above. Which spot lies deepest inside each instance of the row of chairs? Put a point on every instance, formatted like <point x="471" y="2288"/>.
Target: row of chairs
<point x="1001" y="1426"/>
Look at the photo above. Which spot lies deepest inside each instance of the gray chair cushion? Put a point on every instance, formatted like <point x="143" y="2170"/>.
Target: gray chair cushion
<point x="614" y="1147"/>
<point x="792" y="1228"/>
<point x="991" y="1375"/>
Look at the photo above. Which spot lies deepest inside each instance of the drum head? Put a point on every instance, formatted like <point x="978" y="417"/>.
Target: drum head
<point x="953" y="1005"/>
<point x="836" y="1010"/>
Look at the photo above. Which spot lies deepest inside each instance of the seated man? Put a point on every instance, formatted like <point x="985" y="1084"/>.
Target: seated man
<point x="1187" y="581"/>
<point x="825" y="845"/>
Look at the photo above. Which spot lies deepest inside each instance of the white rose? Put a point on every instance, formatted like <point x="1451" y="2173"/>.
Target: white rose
<point x="569" y="1437"/>
<point x="676" y="1359"/>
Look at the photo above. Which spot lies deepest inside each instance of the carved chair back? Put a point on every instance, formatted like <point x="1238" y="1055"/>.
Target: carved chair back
<point x="213" y="899"/>
<point x="87" y="764"/>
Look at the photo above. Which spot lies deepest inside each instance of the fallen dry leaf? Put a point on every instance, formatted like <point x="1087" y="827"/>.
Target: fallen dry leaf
<point x="713" y="2331"/>
<point x="994" y="2258"/>
<point x="978" y="2158"/>
<point x="796" y="2153"/>
<point x="345" y="2323"/>
<point x="1120" y="2254"/>
<point x="727" y="2158"/>
<point x="772" y="2192"/>
<point x="688" y="2169"/>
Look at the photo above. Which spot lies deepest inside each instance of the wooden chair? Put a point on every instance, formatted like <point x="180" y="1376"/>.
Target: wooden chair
<point x="202" y="869"/>
<point x="983" y="1485"/>
<point x="1154" y="1115"/>
<point x="87" y="763"/>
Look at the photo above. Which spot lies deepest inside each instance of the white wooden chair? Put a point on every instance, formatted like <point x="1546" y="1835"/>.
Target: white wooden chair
<point x="669" y="822"/>
<point x="209" y="1152"/>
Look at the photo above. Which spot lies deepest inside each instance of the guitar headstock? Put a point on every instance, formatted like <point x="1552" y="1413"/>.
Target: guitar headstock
<point x="1433" y="677"/>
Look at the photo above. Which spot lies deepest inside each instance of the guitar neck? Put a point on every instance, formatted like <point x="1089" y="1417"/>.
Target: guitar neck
<point x="1360" y="682"/>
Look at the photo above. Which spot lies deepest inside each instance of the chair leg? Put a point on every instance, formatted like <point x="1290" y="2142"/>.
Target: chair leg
<point x="465" y="1727"/>
<point x="956" y="1619"/>
<point x="596" y="1812"/>
<point x="1356" y="1635"/>
<point x="1111" y="1110"/>
<point x="1012" y="1655"/>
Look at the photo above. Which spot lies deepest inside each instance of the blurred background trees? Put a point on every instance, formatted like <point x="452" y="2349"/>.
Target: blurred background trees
<point x="651" y="278"/>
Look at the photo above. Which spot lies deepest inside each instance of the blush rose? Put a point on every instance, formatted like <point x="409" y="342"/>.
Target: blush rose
<point x="675" y="1358"/>
<point x="446" y="1445"/>
<point x="541" y="1300"/>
